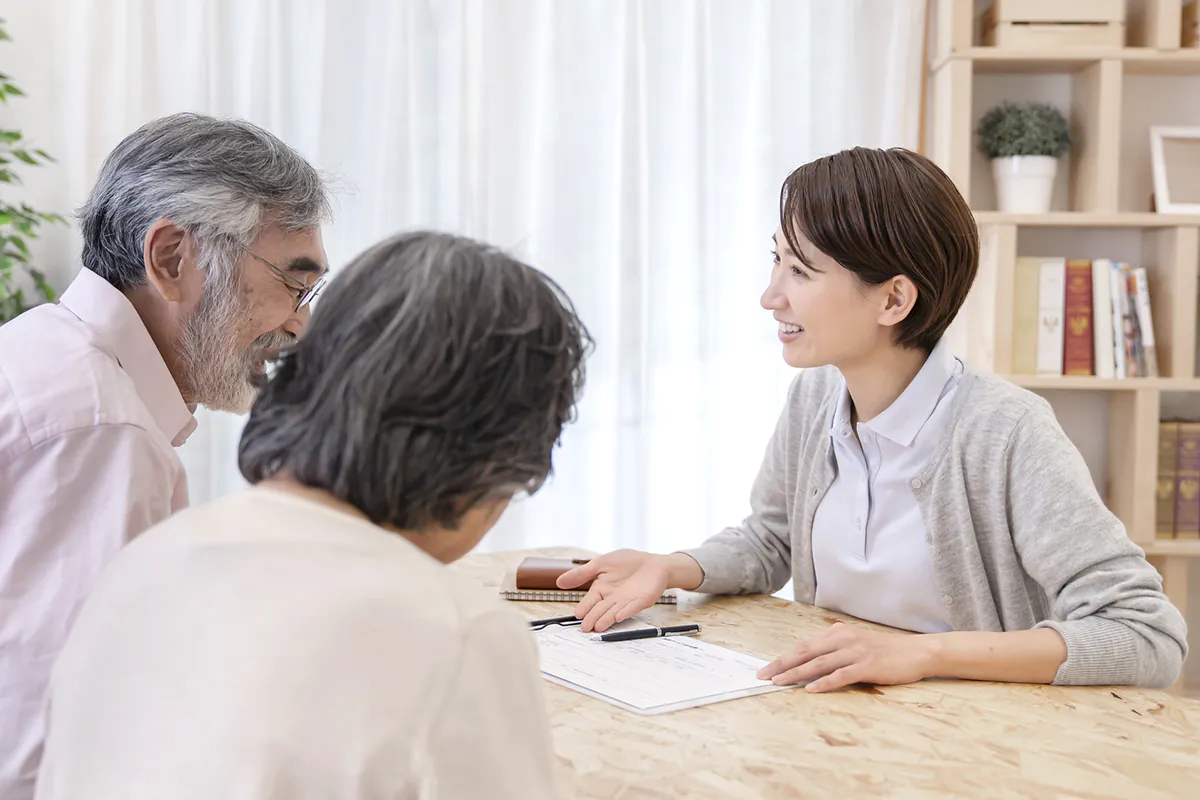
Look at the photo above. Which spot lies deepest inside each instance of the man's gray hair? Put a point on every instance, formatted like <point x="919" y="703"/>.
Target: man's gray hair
<point x="219" y="179"/>
<point x="436" y="373"/>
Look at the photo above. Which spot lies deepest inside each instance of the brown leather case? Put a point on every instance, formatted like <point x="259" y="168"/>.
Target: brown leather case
<point x="541" y="573"/>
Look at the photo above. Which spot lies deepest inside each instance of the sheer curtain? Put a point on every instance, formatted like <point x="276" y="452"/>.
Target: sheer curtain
<point x="632" y="149"/>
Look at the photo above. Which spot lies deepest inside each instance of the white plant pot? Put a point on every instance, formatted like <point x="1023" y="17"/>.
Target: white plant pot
<point x="1024" y="183"/>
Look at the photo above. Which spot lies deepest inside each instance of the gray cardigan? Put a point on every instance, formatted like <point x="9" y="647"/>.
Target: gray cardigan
<point x="1017" y="533"/>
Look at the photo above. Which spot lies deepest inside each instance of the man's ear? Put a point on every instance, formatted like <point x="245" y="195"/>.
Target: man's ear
<point x="167" y="251"/>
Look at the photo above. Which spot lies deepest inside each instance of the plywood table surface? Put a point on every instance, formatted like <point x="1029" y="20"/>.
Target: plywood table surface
<point x="931" y="739"/>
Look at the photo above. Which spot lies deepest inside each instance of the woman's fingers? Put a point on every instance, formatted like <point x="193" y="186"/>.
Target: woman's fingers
<point x="815" y="668"/>
<point x="836" y="679"/>
<point x="800" y="654"/>
<point x="580" y="575"/>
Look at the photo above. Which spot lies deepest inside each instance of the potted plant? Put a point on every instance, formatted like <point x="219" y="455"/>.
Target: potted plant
<point x="22" y="285"/>
<point x="1024" y="142"/>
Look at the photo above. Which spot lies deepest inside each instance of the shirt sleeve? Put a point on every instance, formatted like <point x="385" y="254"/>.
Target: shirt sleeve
<point x="755" y="556"/>
<point x="492" y="735"/>
<point x="1106" y="600"/>
<point x="69" y="505"/>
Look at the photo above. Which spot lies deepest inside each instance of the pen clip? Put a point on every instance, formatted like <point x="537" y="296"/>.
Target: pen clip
<point x="539" y="624"/>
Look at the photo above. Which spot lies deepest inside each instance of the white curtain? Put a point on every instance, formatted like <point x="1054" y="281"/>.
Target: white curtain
<point x="632" y="149"/>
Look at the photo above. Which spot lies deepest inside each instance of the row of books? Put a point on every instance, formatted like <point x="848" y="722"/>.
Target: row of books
<point x="1078" y="316"/>
<point x="1178" y="491"/>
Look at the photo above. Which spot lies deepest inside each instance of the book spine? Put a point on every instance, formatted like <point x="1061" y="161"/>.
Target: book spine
<point x="1051" y="285"/>
<point x="1102" y="318"/>
<point x="1115" y="285"/>
<point x="1025" y="315"/>
<point x="1078" y="339"/>
<point x="1141" y="297"/>
<point x="1168" y="454"/>
<point x="1187" y="482"/>
<point x="1130" y="336"/>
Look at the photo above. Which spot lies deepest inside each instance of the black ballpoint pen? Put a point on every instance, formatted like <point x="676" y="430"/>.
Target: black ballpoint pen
<point x="649" y="633"/>
<point x="538" y="624"/>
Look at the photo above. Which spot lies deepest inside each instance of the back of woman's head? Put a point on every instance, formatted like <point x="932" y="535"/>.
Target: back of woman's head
<point x="435" y="373"/>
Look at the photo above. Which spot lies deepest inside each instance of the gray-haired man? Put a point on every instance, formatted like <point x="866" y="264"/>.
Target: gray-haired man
<point x="201" y="251"/>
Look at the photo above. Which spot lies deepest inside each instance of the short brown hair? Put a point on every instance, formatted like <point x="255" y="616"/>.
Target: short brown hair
<point x="883" y="213"/>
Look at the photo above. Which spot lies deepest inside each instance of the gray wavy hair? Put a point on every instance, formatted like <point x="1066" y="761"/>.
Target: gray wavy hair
<point x="437" y="372"/>
<point x="219" y="179"/>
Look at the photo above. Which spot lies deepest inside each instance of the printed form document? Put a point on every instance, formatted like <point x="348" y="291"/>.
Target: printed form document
<point x="649" y="676"/>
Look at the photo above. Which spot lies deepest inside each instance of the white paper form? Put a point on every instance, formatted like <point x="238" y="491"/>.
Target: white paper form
<point x="649" y="676"/>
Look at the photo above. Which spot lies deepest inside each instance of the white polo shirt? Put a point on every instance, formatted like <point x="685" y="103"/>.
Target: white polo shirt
<point x="869" y="539"/>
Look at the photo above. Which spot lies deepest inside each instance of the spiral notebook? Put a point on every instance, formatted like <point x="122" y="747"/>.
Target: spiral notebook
<point x="509" y="591"/>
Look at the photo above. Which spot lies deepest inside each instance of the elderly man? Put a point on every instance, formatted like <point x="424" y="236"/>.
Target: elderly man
<point x="201" y="251"/>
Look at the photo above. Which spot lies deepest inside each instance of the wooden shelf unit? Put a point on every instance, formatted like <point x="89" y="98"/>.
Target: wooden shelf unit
<point x="1096" y="211"/>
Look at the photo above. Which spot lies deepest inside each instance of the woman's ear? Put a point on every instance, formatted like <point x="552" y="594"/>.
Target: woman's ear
<point x="899" y="298"/>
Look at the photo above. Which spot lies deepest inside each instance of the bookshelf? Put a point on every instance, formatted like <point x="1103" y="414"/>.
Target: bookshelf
<point x="1102" y="207"/>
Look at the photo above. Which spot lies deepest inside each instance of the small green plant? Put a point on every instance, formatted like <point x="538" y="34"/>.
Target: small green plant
<point x="19" y="223"/>
<point x="1024" y="129"/>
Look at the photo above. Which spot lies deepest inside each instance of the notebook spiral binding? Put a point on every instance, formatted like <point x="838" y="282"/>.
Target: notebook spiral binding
<point x="550" y="595"/>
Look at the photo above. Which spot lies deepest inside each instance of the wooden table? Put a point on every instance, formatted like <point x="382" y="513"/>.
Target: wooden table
<point x="930" y="739"/>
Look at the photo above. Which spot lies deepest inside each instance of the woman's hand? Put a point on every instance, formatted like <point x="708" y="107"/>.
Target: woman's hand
<point x="625" y="582"/>
<point x="843" y="655"/>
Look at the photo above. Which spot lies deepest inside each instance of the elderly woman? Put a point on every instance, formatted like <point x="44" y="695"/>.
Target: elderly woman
<point x="304" y="639"/>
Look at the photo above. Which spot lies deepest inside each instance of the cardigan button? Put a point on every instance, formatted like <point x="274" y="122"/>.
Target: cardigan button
<point x="915" y="483"/>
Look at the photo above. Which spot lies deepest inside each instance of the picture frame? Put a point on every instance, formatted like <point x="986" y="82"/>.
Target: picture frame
<point x="1175" y="163"/>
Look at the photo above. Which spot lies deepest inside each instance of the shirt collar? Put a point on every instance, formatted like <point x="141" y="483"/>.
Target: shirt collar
<point x="903" y="419"/>
<point x="120" y="331"/>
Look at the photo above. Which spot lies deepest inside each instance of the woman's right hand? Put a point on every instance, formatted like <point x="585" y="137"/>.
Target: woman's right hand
<point x="625" y="582"/>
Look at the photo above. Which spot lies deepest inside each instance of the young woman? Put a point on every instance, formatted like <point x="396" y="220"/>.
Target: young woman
<point x="303" y="639"/>
<point x="904" y="488"/>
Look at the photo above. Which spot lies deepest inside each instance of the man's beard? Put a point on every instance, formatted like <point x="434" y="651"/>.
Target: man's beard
<point x="219" y="376"/>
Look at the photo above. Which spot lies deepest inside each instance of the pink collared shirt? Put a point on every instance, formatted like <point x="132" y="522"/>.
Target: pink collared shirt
<point x="89" y="417"/>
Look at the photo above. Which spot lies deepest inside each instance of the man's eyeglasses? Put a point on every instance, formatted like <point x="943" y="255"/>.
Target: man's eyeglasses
<point x="306" y="294"/>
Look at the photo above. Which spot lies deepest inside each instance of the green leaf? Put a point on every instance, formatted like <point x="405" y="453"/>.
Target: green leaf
<point x="19" y="243"/>
<point x="46" y="156"/>
<point x="4" y="37"/>
<point x="24" y="156"/>
<point x="39" y="278"/>
<point x="10" y="136"/>
<point x="8" y="176"/>
<point x="14" y="90"/>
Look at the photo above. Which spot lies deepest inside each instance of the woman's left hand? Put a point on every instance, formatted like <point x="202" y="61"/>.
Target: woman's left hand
<point x="843" y="655"/>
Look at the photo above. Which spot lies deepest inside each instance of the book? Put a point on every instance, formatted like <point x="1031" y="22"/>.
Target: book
<point x="1102" y="319"/>
<point x="1025" y="317"/>
<point x="1135" y="365"/>
<point x="535" y="579"/>
<point x="1078" y="338"/>
<point x="1168" y="452"/>
<point x="1051" y="288"/>
<point x="1141" y="301"/>
<point x="1187" y="483"/>
<point x="1116" y="285"/>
